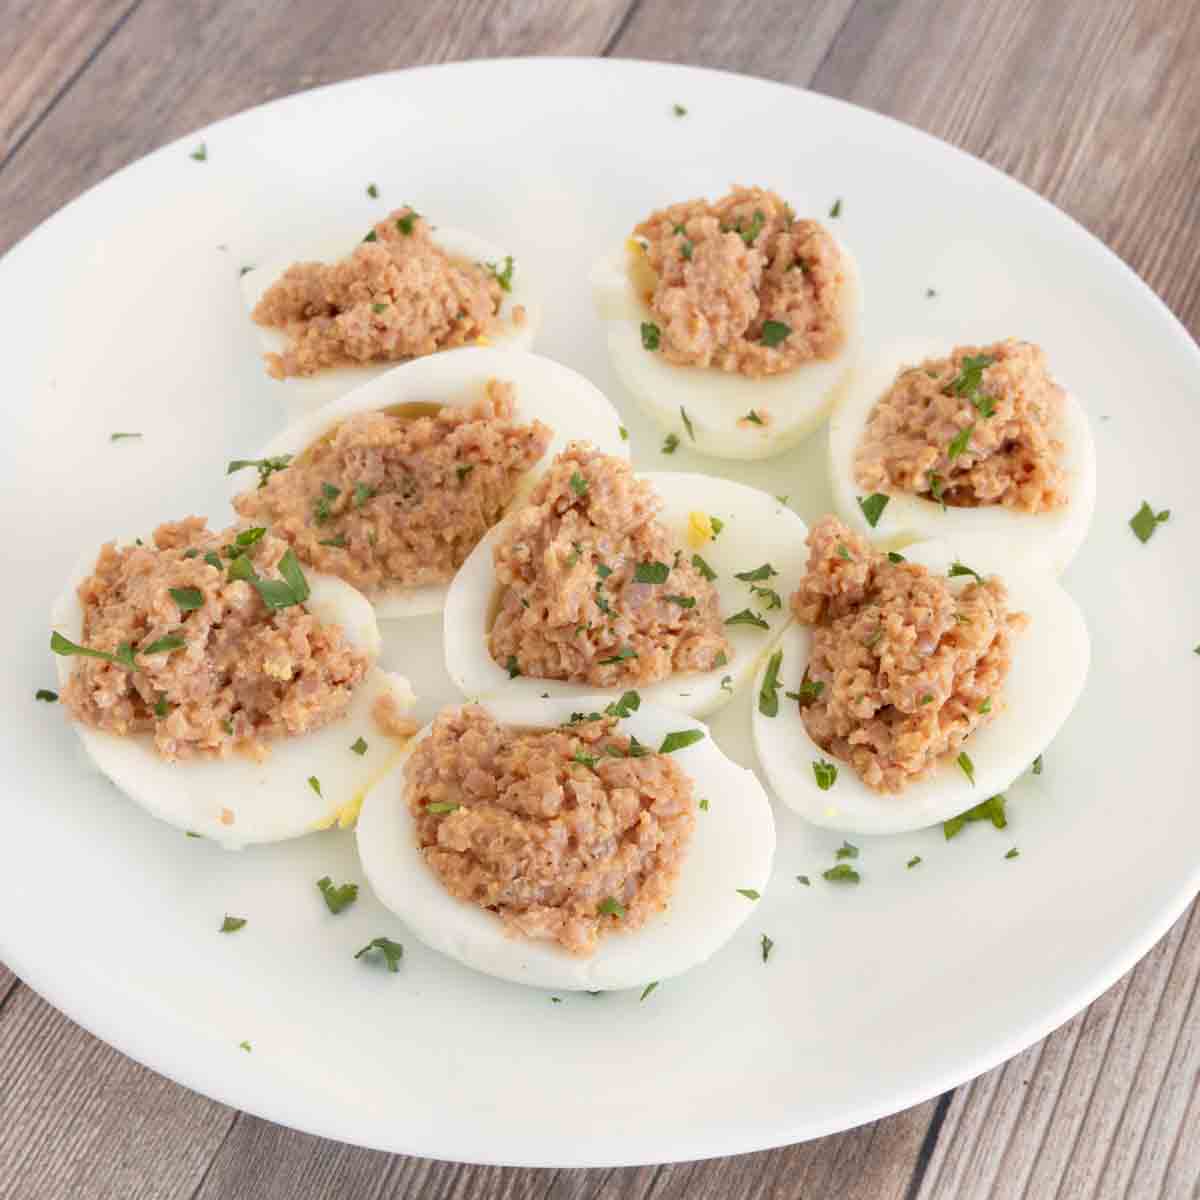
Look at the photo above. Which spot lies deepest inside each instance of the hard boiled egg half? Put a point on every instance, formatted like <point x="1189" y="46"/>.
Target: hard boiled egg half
<point x="729" y="853"/>
<point x="1048" y="539"/>
<point x="545" y="390"/>
<point x="237" y="801"/>
<point x="708" y="407"/>
<point x="755" y="530"/>
<point x="1049" y="666"/>
<point x="311" y="391"/>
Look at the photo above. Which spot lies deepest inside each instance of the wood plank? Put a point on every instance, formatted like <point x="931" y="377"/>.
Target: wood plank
<point x="172" y="67"/>
<point x="81" y="1120"/>
<point x="44" y="44"/>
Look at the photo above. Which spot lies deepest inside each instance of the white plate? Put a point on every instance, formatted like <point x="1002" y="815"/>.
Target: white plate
<point x="124" y="313"/>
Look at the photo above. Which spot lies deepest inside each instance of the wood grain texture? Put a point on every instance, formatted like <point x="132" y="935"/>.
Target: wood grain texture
<point x="44" y="45"/>
<point x="1094" y="103"/>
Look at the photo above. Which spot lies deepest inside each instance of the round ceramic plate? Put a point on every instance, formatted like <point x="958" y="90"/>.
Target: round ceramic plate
<point x="124" y="315"/>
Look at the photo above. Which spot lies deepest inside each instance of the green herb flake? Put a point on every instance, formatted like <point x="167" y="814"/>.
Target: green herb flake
<point x="502" y="277"/>
<point x="809" y="692"/>
<point x="378" y="308"/>
<point x="705" y="570"/>
<point x="985" y="705"/>
<point x="359" y="747"/>
<point x="200" y="154"/>
<point x="266" y="467"/>
<point x="46" y="694"/>
<point x="442" y="808"/>
<point x="232" y="924"/>
<point x="585" y="760"/>
<point x="621" y="655"/>
<point x="680" y="740"/>
<point x="213" y="560"/>
<point x="682" y="601"/>
<point x="611" y="907"/>
<point x="161" y="707"/>
<point x="958" y="569"/>
<point x="825" y="773"/>
<point x="362" y="493"/>
<point x="751" y="232"/>
<point x="966" y="766"/>
<point x="960" y="442"/>
<point x="768" y="694"/>
<point x="842" y="873"/>
<point x="650" y="986"/>
<point x="893" y="557"/>
<point x="187" y="599"/>
<point x="804" y="879"/>
<point x="651" y="336"/>
<point x="623" y="432"/>
<point x="338" y="541"/>
<point x="1145" y="521"/>
<point x="704" y="804"/>
<point x="749" y="893"/>
<point x="120" y="437"/>
<point x="767" y="946"/>
<point x="1036" y="769"/>
<point x="372" y="191"/>
<point x="651" y="572"/>
<point x="245" y="1046"/>
<point x="991" y="809"/>
<point x="746" y="617"/>
<point x="687" y="423"/>
<point x="392" y="952"/>
<point x="679" y="111"/>
<point x="1013" y="853"/>
<point x="241" y="568"/>
<point x="753" y="418"/>
<point x="872" y="507"/>
<point x="758" y="574"/>
<point x="512" y="667"/>
<point x="936" y="486"/>
<point x="915" y="861"/>
<point x="670" y="443"/>
<point x="405" y="223"/>
<point x="291" y="589"/>
<point x="372" y="236"/>
<point x="578" y="484"/>
<point x="774" y="333"/>
<point x="164" y="645"/>
<point x="836" y="210"/>
<point x="717" y="525"/>
<point x="846" y="850"/>
<point x="248" y="537"/>
<point x="337" y="898"/>
<point x="629" y="703"/>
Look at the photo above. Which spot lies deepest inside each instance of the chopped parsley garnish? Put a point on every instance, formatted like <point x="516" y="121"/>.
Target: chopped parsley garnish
<point x="774" y="332"/>
<point x="727" y="683"/>
<point x="244" y="271"/>
<point x="232" y="924"/>
<point x="704" y="804"/>
<point x="651" y="572"/>
<point x="767" y="947"/>
<point x="623" y="432"/>
<point x="337" y="898"/>
<point x="872" y="507"/>
<point x="753" y="229"/>
<point x="578" y="484"/>
<point x="968" y="382"/>
<point x="825" y="773"/>
<point x="651" y="335"/>
<point x="682" y="601"/>
<point x="359" y="746"/>
<point x="629" y="702"/>
<point x="164" y="645"/>
<point x="442" y="808"/>
<point x="371" y="237"/>
<point x="503" y="278"/>
<point x="679" y="111"/>
<point x="810" y="690"/>
<point x="936" y="483"/>
<point x="585" y="760"/>
<point x="843" y="551"/>
<point x="846" y="850"/>
<point x="768" y="694"/>
<point x="769" y="597"/>
<point x="187" y="598"/>
<point x="721" y="659"/>
<point x="705" y="570"/>
<point x="842" y="873"/>
<point x="685" y="249"/>
<point x="680" y="739"/>
<point x="960" y="442"/>
<point x="804" y="879"/>
<point x="749" y="893"/>
<point x="378" y="308"/>
<point x="757" y="575"/>
<point x="611" y="907"/>
<point x="213" y="560"/>
<point x="687" y="423"/>
<point x="463" y="472"/>
<point x="362" y="493"/>
<point x="1036" y="769"/>
<point x="266" y="467"/>
<point x="46" y="694"/>
<point x="372" y="191"/>
<point x="717" y="525"/>
<point x="405" y="223"/>
<point x="1013" y="853"/>
<point x="927" y="698"/>
<point x="200" y="154"/>
<point x="753" y="418"/>
<point x="161" y="707"/>
<point x="249" y="536"/>
<point x="511" y="667"/>
<point x="746" y="617"/>
<point x="915" y="861"/>
<point x="120" y="437"/>
<point x="836" y="210"/>
<point x="991" y="809"/>
<point x="966" y="766"/>
<point x="245" y="1046"/>
<point x="291" y="589"/>
<point x="957" y="568"/>
<point x="620" y="656"/>
<point x="338" y="541"/>
<point x="985" y="705"/>
<point x="650" y="986"/>
<point x="893" y="557"/>
<point x="315" y="784"/>
<point x="1145" y="521"/>
<point x="670" y="443"/>
<point x="392" y="952"/>
<point x="321" y="511"/>
<point x="241" y="568"/>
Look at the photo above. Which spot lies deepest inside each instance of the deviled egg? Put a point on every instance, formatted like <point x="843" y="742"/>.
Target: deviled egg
<point x="913" y="686"/>
<point x="221" y="688"/>
<point x="392" y="486"/>
<point x="354" y="306"/>
<point x="568" y="843"/>
<point x="609" y="580"/>
<point x="979" y="441"/>
<point x="732" y="322"/>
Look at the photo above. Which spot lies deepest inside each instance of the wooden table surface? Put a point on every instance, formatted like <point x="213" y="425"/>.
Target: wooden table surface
<point x="1094" y="103"/>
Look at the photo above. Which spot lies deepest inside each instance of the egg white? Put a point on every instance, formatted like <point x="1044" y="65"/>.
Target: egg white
<point x="758" y="529"/>
<point x="1048" y="539"/>
<point x="311" y="391"/>
<point x="272" y="800"/>
<point x="715" y="400"/>
<point x="1049" y="666"/>
<point x="731" y="848"/>
<point x="547" y="391"/>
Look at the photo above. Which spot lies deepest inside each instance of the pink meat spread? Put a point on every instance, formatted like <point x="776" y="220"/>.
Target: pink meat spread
<point x="244" y="674"/>
<point x="742" y="285"/>
<point x="557" y="831"/>
<point x="397" y="296"/>
<point x="979" y="427"/>
<point x="593" y="588"/>
<point x="907" y="666"/>
<point x="389" y="500"/>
